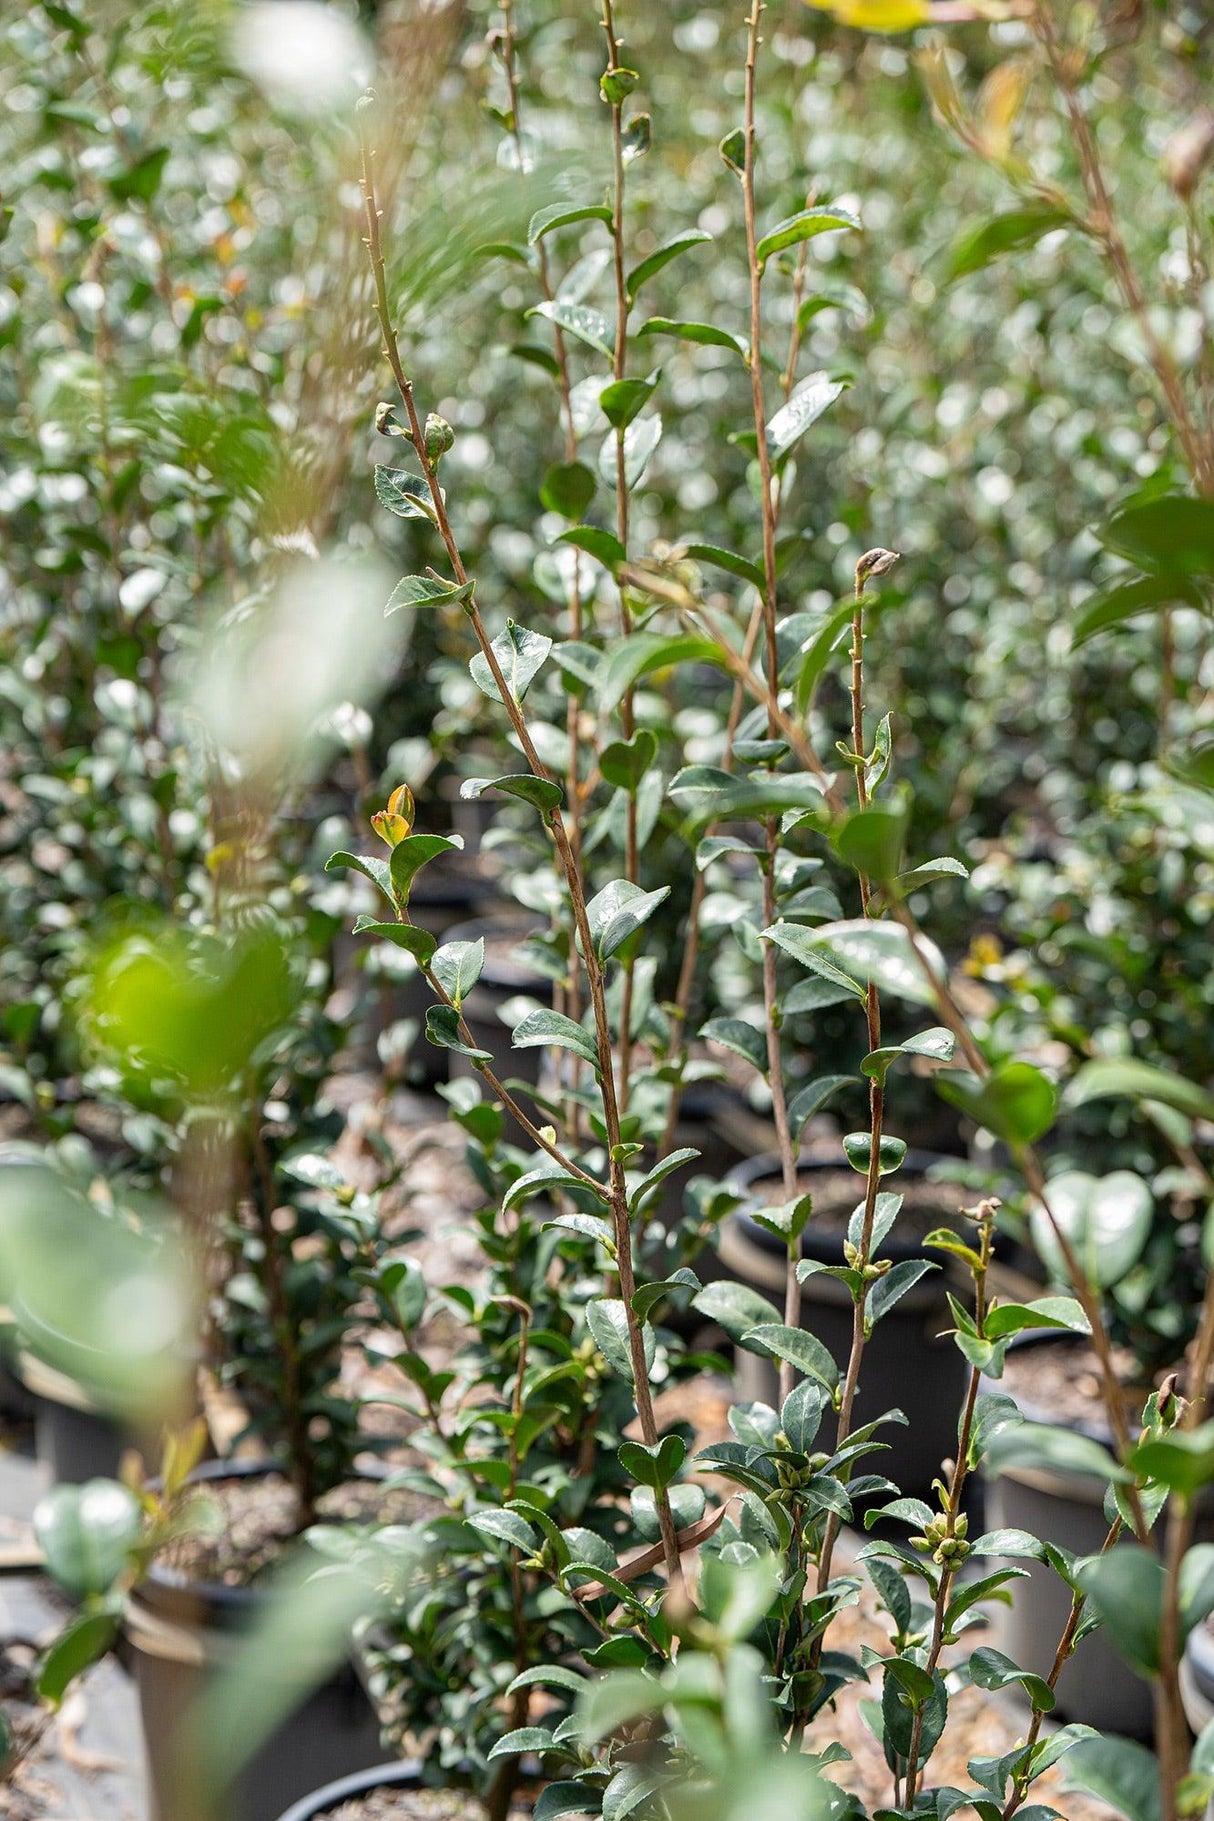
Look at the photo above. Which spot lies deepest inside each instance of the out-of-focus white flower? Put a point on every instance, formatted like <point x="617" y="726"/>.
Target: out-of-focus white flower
<point x="308" y="57"/>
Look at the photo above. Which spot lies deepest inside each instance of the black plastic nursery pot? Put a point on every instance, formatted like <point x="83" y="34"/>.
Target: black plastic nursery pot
<point x="504" y="977"/>
<point x="1097" y="1687"/>
<point x="16" y="1401"/>
<point x="910" y="1362"/>
<point x="179" y="1634"/>
<point x="321" y="1802"/>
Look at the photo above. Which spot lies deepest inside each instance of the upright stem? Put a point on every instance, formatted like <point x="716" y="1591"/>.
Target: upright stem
<point x="571" y="871"/>
<point x="619" y="367"/>
<point x="876" y="1088"/>
<point x="779" y="1104"/>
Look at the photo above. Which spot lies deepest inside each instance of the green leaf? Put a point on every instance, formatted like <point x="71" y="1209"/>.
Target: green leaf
<point x="84" y="1643"/>
<point x="599" y="544"/>
<point x="1015" y="1101"/>
<point x="991" y="1669"/>
<point x="370" y="866"/>
<point x="871" y="840"/>
<point x="928" y="873"/>
<point x="588" y="325"/>
<point x="1119" y="1772"/>
<point x="1172" y="535"/>
<point x="793" y="1344"/>
<point x="675" y="1160"/>
<point x="653" y="1466"/>
<point x="618" y="911"/>
<point x="641" y="439"/>
<point x="867" y="949"/>
<point x="802" y="945"/>
<point x="717" y="795"/>
<point x="457" y="967"/>
<point x="642" y="653"/>
<point x="805" y="226"/>
<point x="567" y="488"/>
<point x="617" y="84"/>
<point x="728" y="559"/>
<point x="520" y="655"/>
<point x="1107" y="1220"/>
<point x="562" y="215"/>
<point x="505" y="1527"/>
<point x="640" y="274"/>
<point x="636" y="137"/>
<point x="544" y="793"/>
<point x="1124" y="600"/>
<point x="607" y="1320"/>
<point x="1125" y="1587"/>
<point x="737" y="1308"/>
<point x="742" y="1038"/>
<point x="858" y="1149"/>
<point x="442" y="1030"/>
<point x="1182" y="1459"/>
<point x="417" y="942"/>
<point x="813" y="660"/>
<point x="812" y="397"/>
<point x="623" y="399"/>
<point x="426" y="591"/>
<point x="405" y="494"/>
<point x="1111" y="1076"/>
<point x="624" y="762"/>
<point x="937" y="1044"/>
<point x="1065" y="1450"/>
<point x="705" y="334"/>
<point x="87" y="1533"/>
<point x="410" y="855"/>
<point x="522" y="1739"/>
<point x="557" y="1799"/>
<point x="1042" y="1312"/>
<point x="813" y="1097"/>
<point x="1007" y="233"/>
<point x="890" y="1289"/>
<point x="140" y="180"/>
<point x="544" y="1027"/>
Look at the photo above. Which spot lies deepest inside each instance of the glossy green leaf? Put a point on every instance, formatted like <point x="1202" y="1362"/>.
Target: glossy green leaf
<point x="1015" y="1101"/>
<point x="1172" y="535"/>
<point x="811" y="664"/>
<point x="1108" y="1077"/>
<point x="706" y="334"/>
<point x="642" y="653"/>
<point x="543" y="1027"/>
<point x="653" y="1466"/>
<point x="641" y="439"/>
<point x="426" y="591"/>
<point x="416" y="942"/>
<point x="805" y="226"/>
<point x="872" y="839"/>
<point x="618" y="911"/>
<point x="727" y="559"/>
<point x="737" y="1307"/>
<point x="87" y="1533"/>
<point x="544" y="793"/>
<point x="1063" y="1450"/>
<point x="1006" y="233"/>
<point x="624" y="399"/>
<point x="803" y="946"/>
<point x="567" y="488"/>
<point x="742" y="1038"/>
<point x="410" y="855"/>
<point x="1124" y="600"/>
<point x="654" y="263"/>
<point x="562" y="215"/>
<point x="625" y="762"/>
<point x="442" y="1030"/>
<point x="457" y="967"/>
<point x="800" y="1349"/>
<point x="1118" y="1771"/>
<point x="607" y="1320"/>
<point x="812" y="397"/>
<point x="83" y="1643"/>
<point x="712" y="795"/>
<point x="858" y="1149"/>
<point x="588" y="325"/>
<point x="520" y="655"/>
<point x="868" y="949"/>
<point x="936" y="1044"/>
<point x="1107" y="1220"/>
<point x="1182" y="1459"/>
<point x="407" y="495"/>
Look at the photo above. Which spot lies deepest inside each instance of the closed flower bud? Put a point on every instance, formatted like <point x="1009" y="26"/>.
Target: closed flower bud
<point x="1188" y="153"/>
<point x="439" y="436"/>
<point x="875" y="562"/>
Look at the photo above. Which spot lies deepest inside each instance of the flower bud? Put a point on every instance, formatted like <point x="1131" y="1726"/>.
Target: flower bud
<point x="1188" y="152"/>
<point x="393" y="824"/>
<point x="439" y="437"/>
<point x="875" y="562"/>
<point x="386" y="421"/>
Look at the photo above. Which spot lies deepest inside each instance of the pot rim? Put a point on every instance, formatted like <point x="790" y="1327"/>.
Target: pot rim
<point x="360" y="1783"/>
<point x="215" y="1599"/>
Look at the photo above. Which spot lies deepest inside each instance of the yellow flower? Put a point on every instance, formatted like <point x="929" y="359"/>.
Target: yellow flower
<point x="877" y="15"/>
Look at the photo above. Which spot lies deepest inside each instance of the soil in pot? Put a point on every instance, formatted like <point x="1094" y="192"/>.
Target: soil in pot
<point x="1054" y="1379"/>
<point x="204" y="1587"/>
<point x="910" y="1362"/>
<point x="396" y="1792"/>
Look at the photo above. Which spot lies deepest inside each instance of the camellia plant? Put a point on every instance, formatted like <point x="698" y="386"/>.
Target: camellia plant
<point x="717" y="1622"/>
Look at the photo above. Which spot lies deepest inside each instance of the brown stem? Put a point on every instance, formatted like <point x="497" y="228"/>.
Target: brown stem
<point x="1104" y="225"/>
<point x="301" y="1466"/>
<point x="1065" y="1645"/>
<point x="621" y="1224"/>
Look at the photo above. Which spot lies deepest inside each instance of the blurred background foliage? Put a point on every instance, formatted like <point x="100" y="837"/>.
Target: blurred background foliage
<point x="188" y="390"/>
